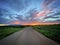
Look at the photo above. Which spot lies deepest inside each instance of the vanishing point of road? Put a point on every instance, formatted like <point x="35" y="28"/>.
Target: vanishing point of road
<point x="27" y="36"/>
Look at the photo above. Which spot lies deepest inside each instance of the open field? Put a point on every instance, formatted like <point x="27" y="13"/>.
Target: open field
<point x="27" y="36"/>
<point x="7" y="30"/>
<point x="50" y="31"/>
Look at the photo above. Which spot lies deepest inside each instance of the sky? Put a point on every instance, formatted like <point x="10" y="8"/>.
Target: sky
<point x="33" y="12"/>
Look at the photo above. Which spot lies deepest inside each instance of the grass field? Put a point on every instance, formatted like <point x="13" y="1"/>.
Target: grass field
<point x="7" y="30"/>
<point x="50" y="31"/>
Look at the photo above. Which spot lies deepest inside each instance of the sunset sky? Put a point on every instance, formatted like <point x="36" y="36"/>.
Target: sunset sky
<point x="24" y="12"/>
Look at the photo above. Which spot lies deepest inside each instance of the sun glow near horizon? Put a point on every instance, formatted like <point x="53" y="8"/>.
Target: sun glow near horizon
<point x="30" y="12"/>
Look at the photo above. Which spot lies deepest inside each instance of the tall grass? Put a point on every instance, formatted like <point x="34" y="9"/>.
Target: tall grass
<point x="7" y="30"/>
<point x="50" y="31"/>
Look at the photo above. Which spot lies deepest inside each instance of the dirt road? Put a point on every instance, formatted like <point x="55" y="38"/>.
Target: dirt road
<point x="27" y="36"/>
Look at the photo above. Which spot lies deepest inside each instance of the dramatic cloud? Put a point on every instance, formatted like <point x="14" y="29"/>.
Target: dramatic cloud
<point x="29" y="11"/>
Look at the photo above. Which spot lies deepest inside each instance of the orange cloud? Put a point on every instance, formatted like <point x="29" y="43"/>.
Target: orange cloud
<point x="15" y="22"/>
<point x="33" y="23"/>
<point x="40" y="23"/>
<point x="42" y="13"/>
<point x="45" y="10"/>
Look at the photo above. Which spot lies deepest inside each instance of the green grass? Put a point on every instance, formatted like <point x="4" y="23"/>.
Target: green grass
<point x="7" y="30"/>
<point x="50" y="31"/>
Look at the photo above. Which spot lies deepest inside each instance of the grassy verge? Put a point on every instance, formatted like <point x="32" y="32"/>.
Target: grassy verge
<point x="7" y="30"/>
<point x="50" y="31"/>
